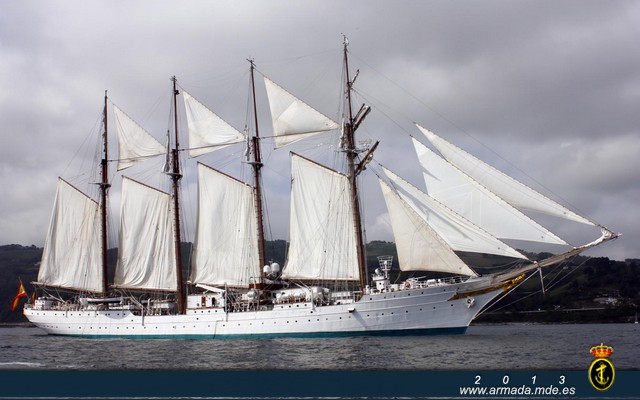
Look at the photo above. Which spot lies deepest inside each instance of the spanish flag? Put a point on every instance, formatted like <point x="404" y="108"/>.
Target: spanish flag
<point x="21" y="293"/>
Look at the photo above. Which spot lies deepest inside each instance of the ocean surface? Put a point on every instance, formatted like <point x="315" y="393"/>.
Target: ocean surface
<point x="483" y="347"/>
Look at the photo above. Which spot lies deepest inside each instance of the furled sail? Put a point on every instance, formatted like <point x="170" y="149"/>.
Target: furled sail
<point x="293" y="119"/>
<point x="134" y="143"/>
<point x="419" y="247"/>
<point x="322" y="230"/>
<point x="146" y="255"/>
<point x="207" y="131"/>
<point x="512" y="191"/>
<point x="71" y="256"/>
<point x="458" y="232"/>
<point x="226" y="242"/>
<point x="473" y="201"/>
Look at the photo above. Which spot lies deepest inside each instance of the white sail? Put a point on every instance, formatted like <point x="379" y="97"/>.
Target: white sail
<point x="207" y="131"/>
<point x="512" y="191"/>
<point x="419" y="247"/>
<point x="322" y="230"/>
<point x="473" y="201"/>
<point x="293" y="119"/>
<point x="226" y="243"/>
<point x="458" y="232"/>
<point x="146" y="255"/>
<point x="134" y="143"/>
<point x="72" y="258"/>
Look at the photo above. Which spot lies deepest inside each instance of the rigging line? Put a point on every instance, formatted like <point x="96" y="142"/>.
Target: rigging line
<point x="471" y="136"/>
<point x="219" y="79"/>
<point x="532" y="293"/>
<point x="506" y="294"/>
<point x="298" y="58"/>
<point x="410" y="94"/>
<point x="155" y="106"/>
<point x="84" y="145"/>
<point x="374" y="100"/>
<point x="226" y="95"/>
<point x="553" y="280"/>
<point x="569" y="273"/>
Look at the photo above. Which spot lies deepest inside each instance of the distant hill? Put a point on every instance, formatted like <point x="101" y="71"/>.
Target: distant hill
<point x="586" y="289"/>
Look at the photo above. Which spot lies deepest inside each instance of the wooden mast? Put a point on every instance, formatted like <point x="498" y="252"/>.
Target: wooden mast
<point x="176" y="176"/>
<point x="257" y="166"/>
<point x="351" y="153"/>
<point x="104" y="187"/>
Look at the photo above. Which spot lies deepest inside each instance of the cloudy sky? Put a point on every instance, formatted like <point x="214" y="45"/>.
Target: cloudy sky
<point x="547" y="90"/>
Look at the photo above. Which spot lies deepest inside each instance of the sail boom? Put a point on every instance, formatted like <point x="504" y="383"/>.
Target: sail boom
<point x="606" y="236"/>
<point x="68" y="288"/>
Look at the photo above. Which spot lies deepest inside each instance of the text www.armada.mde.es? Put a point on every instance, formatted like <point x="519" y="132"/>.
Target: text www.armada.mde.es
<point x="523" y="390"/>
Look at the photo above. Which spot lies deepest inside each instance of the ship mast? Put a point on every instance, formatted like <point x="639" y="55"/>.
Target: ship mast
<point x="257" y="166"/>
<point x="175" y="177"/>
<point x="104" y="188"/>
<point x="349" y="148"/>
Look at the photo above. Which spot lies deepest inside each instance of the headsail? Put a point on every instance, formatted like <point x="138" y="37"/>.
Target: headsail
<point x="323" y="242"/>
<point x="71" y="256"/>
<point x="477" y="204"/>
<point x="293" y="119"/>
<point x="207" y="131"/>
<point x="458" y="232"/>
<point x="134" y="143"/>
<point x="512" y="191"/>
<point x="419" y="247"/>
<point x="146" y="255"/>
<point x="226" y="242"/>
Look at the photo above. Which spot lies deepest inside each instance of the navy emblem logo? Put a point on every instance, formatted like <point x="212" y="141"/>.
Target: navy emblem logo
<point x="601" y="372"/>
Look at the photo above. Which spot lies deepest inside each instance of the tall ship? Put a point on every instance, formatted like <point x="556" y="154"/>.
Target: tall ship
<point x="232" y="290"/>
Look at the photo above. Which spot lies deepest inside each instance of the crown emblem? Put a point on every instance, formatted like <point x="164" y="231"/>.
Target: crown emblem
<point x="601" y="351"/>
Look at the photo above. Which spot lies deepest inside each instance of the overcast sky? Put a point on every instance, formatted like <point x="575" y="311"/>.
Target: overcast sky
<point x="547" y="90"/>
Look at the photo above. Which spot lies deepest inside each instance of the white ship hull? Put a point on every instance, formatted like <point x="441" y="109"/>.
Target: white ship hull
<point x="426" y="310"/>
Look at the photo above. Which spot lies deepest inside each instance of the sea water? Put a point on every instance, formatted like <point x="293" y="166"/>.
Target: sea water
<point x="483" y="347"/>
